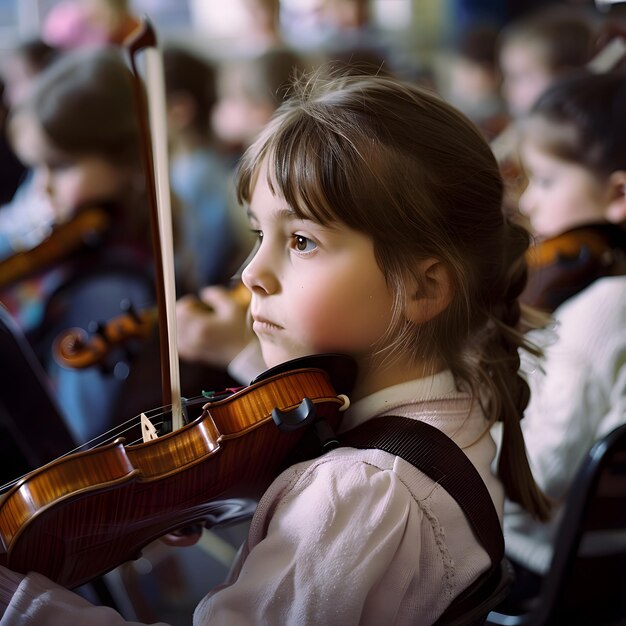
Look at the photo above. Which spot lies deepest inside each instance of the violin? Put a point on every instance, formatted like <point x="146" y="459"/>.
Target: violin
<point x="81" y="515"/>
<point x="77" y="348"/>
<point x="83" y="229"/>
<point x="560" y="267"/>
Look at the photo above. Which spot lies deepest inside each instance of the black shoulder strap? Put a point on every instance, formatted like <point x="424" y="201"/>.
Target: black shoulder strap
<point x="435" y="454"/>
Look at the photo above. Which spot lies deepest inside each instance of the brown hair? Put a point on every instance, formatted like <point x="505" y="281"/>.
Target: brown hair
<point x="189" y="73"/>
<point x="396" y="162"/>
<point x="581" y="119"/>
<point x="565" y="37"/>
<point x="85" y="104"/>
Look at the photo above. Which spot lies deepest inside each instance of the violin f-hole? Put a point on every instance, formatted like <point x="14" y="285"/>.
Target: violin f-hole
<point x="302" y="415"/>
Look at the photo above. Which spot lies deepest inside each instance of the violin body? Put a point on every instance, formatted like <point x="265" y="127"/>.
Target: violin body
<point x="84" y="514"/>
<point x="64" y="240"/>
<point x="562" y="266"/>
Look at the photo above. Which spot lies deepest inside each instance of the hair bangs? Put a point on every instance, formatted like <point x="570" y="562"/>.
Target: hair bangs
<point x="559" y="138"/>
<point x="312" y="163"/>
<point x="303" y="169"/>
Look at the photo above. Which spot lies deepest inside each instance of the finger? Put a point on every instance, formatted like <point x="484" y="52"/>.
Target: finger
<point x="183" y="537"/>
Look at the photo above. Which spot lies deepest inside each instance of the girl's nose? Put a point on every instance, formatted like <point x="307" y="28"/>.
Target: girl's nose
<point x="526" y="202"/>
<point x="259" y="276"/>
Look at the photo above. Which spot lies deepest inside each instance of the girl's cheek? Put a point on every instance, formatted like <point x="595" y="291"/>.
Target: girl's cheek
<point x="326" y="328"/>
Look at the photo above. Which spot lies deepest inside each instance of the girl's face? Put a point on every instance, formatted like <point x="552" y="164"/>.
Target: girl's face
<point x="237" y="118"/>
<point x="18" y="77"/>
<point x="524" y="76"/>
<point x="69" y="181"/>
<point x="314" y="288"/>
<point x="560" y="194"/>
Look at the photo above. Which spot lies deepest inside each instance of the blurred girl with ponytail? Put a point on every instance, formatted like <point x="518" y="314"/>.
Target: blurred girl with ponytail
<point x="573" y="149"/>
<point x="381" y="235"/>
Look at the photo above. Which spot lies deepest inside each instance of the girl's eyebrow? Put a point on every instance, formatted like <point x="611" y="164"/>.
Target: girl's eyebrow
<point x="284" y="213"/>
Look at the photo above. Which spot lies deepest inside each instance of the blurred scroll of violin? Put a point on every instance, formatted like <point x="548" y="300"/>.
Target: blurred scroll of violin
<point x="81" y="348"/>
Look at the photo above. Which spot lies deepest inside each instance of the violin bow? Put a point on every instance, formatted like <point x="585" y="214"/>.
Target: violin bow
<point x="151" y="106"/>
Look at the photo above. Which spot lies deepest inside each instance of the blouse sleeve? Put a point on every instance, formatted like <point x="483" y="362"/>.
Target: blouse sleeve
<point x="329" y="538"/>
<point x="581" y="395"/>
<point x="39" y="601"/>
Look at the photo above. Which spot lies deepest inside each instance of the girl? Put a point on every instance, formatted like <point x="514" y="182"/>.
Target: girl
<point x="78" y="132"/>
<point x="574" y="152"/>
<point x="537" y="49"/>
<point x="377" y="208"/>
<point x="251" y="89"/>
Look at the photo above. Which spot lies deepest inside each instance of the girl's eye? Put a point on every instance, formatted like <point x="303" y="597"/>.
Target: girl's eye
<point x="540" y="181"/>
<point x="303" y="244"/>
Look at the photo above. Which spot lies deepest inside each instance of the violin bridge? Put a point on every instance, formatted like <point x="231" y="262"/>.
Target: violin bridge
<point x="148" y="431"/>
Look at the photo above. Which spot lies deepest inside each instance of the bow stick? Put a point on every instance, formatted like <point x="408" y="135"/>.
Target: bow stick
<point x="154" y="135"/>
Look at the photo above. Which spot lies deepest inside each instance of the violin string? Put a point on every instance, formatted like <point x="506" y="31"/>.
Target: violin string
<point x="103" y="438"/>
<point x="118" y="430"/>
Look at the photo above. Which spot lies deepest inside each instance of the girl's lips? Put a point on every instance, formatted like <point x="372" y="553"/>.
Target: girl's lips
<point x="263" y="324"/>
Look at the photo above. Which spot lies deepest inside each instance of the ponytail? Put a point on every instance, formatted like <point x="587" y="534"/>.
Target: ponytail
<point x="499" y="367"/>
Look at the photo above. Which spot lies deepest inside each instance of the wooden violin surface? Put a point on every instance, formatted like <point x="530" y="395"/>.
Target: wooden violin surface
<point x="562" y="266"/>
<point x="76" y="348"/>
<point x="65" y="239"/>
<point x="82" y="515"/>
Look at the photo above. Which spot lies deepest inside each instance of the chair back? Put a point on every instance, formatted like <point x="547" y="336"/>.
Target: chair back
<point x="33" y="429"/>
<point x="586" y="583"/>
<point x="472" y="609"/>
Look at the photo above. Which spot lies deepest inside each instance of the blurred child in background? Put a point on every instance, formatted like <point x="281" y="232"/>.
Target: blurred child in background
<point x="538" y="48"/>
<point x="77" y="130"/>
<point x="472" y="81"/>
<point x="27" y="216"/>
<point x="212" y="327"/>
<point x="573" y="149"/>
<point x="74" y="24"/>
<point x="250" y="90"/>
<point x="533" y="52"/>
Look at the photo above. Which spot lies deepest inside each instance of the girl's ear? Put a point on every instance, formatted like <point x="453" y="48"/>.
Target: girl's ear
<point x="432" y="294"/>
<point x="616" y="208"/>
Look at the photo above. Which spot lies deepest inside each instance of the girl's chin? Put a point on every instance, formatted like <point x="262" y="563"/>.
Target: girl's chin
<point x="273" y="356"/>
